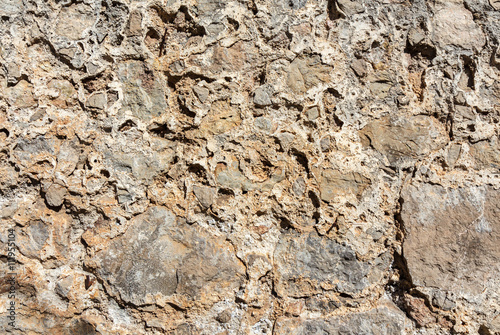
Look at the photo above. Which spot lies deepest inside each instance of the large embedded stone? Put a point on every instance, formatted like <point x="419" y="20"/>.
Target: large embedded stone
<point x="21" y="95"/>
<point x="307" y="264"/>
<point x="334" y="183"/>
<point x="160" y="256"/>
<point x="403" y="139"/>
<point x="72" y="21"/>
<point x="486" y="154"/>
<point x="384" y="319"/>
<point x="143" y="90"/>
<point x="454" y="25"/>
<point x="222" y="118"/>
<point x="452" y="236"/>
<point x="306" y="72"/>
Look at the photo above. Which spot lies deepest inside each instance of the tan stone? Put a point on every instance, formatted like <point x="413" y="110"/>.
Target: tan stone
<point x="222" y="118"/>
<point x="486" y="154"/>
<point x="454" y="25"/>
<point x="306" y="72"/>
<point x="73" y="20"/>
<point x="448" y="231"/>
<point x="21" y="95"/>
<point x="403" y="138"/>
<point x="55" y="195"/>
<point x="333" y="184"/>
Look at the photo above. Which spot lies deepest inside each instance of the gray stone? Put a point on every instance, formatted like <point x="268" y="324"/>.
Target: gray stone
<point x="159" y="255"/>
<point x="262" y="96"/>
<point x="306" y="264"/>
<point x="264" y="124"/>
<point x="312" y="113"/>
<point x="299" y="187"/>
<point x="11" y="7"/>
<point x="73" y="55"/>
<point x="13" y="73"/>
<point x="205" y="195"/>
<point x="38" y="234"/>
<point x="443" y="301"/>
<point x="415" y="36"/>
<point x="325" y="143"/>
<point x="143" y="166"/>
<point x="63" y="286"/>
<point x="350" y="7"/>
<point x="28" y="149"/>
<point x="55" y="195"/>
<point x="111" y="21"/>
<point x="201" y="93"/>
<point x="382" y="320"/>
<point x="453" y="154"/>
<point x="297" y="4"/>
<point x="97" y="100"/>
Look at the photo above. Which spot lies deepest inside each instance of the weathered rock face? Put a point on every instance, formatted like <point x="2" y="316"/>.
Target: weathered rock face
<point x="452" y="242"/>
<point x="446" y="225"/>
<point x="250" y="167"/>
<point x="157" y="257"/>
<point x="384" y="319"/>
<point x="307" y="264"/>
<point x="404" y="139"/>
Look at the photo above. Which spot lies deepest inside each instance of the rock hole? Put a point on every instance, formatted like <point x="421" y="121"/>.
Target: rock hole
<point x="314" y="199"/>
<point x="127" y="125"/>
<point x="152" y="39"/>
<point x="235" y="24"/>
<point x="483" y="330"/>
<point x="226" y="191"/>
<point x="4" y="134"/>
<point x="301" y="159"/>
<point x="333" y="13"/>
<point x="159" y="130"/>
<point x="338" y="122"/>
<point x="468" y="74"/>
<point x="253" y="7"/>
<point x="198" y="170"/>
<point x="285" y="223"/>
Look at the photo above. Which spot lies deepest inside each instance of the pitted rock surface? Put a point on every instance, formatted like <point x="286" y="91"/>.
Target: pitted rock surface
<point x="250" y="167"/>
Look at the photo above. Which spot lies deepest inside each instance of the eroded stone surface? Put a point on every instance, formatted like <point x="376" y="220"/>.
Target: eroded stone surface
<point x="159" y="256"/>
<point x="448" y="233"/>
<point x="307" y="264"/>
<point x="250" y="167"/>
<point x="387" y="320"/>
<point x="405" y="138"/>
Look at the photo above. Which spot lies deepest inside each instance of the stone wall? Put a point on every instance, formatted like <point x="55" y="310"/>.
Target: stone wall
<point x="250" y="166"/>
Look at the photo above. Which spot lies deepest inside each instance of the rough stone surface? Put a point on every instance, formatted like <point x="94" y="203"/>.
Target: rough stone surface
<point x="157" y="257"/>
<point x="250" y="167"/>
<point x="383" y="319"/>
<point x="448" y="233"/>
<point x="307" y="264"/>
